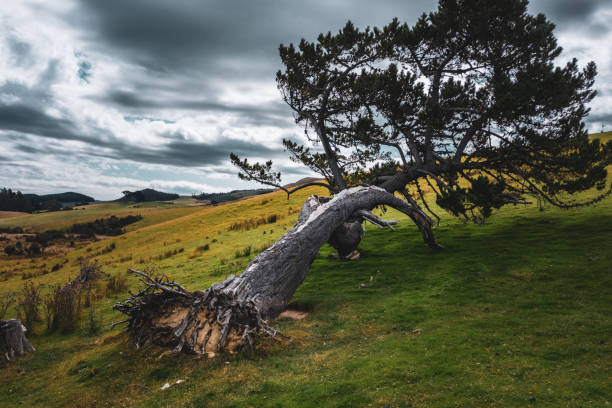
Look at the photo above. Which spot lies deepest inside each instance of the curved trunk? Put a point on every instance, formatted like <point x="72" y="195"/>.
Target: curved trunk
<point x="346" y="238"/>
<point x="229" y="314"/>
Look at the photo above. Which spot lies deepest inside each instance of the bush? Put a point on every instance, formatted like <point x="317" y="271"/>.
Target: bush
<point x="64" y="303"/>
<point x="109" y="248"/>
<point x="104" y="226"/>
<point x="63" y="307"/>
<point x="255" y="222"/>
<point x="89" y="272"/>
<point x="93" y="320"/>
<point x="34" y="249"/>
<point x="6" y="301"/>
<point x="29" y="304"/>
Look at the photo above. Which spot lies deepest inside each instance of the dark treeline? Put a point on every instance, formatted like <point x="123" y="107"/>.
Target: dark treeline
<point x="148" y="194"/>
<point x="234" y="195"/>
<point x="104" y="226"/>
<point x="33" y="244"/>
<point x="15" y="201"/>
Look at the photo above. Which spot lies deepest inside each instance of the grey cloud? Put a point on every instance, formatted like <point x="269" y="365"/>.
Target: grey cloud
<point x="185" y="153"/>
<point x="569" y="11"/>
<point x="38" y="94"/>
<point x="133" y="100"/>
<point x="28" y="117"/>
<point x="270" y="114"/>
<point x="147" y="119"/>
<point x="187" y="35"/>
<point x="25" y="119"/>
<point x="605" y="118"/>
<point x="20" y="50"/>
<point x="178" y="151"/>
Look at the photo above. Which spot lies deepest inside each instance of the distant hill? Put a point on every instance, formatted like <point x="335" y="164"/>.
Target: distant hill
<point x="68" y="197"/>
<point x="16" y="201"/>
<point x="216" y="198"/>
<point x="302" y="181"/>
<point x="148" y="194"/>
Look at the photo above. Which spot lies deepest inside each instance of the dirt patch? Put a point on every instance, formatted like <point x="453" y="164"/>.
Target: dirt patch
<point x="9" y="214"/>
<point x="296" y="311"/>
<point x="293" y="314"/>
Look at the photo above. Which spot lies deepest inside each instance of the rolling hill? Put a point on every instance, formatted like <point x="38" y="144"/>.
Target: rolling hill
<point x="234" y="195"/>
<point x="401" y="326"/>
<point x="148" y="194"/>
<point x="68" y="197"/>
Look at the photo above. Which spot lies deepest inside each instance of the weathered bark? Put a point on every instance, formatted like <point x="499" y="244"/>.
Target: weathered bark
<point x="13" y="341"/>
<point x="229" y="314"/>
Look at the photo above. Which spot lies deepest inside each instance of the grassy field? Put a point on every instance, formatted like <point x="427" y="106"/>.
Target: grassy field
<point x="156" y="211"/>
<point x="516" y="312"/>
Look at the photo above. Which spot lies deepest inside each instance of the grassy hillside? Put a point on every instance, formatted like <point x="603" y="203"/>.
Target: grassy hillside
<point x="62" y="219"/>
<point x="512" y="313"/>
<point x="604" y="136"/>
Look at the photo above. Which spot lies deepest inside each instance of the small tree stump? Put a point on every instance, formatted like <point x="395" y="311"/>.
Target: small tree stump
<point x="13" y="341"/>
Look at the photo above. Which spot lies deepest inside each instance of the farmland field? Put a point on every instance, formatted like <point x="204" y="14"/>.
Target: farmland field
<point x="511" y="313"/>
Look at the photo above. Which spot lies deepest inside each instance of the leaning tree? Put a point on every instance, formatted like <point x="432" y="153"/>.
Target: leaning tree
<point x="469" y="101"/>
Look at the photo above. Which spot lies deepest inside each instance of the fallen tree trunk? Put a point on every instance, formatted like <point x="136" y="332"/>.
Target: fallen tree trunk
<point x="231" y="313"/>
<point x="13" y="341"/>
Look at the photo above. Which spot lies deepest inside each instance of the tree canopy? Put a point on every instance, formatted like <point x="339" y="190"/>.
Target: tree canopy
<point x="471" y="100"/>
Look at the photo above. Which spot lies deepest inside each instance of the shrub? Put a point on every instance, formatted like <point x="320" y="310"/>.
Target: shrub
<point x="29" y="304"/>
<point x="255" y="222"/>
<point x="34" y="249"/>
<point x="89" y="272"/>
<point x="93" y="321"/>
<point x="109" y="248"/>
<point x="63" y="307"/>
<point x="6" y="301"/>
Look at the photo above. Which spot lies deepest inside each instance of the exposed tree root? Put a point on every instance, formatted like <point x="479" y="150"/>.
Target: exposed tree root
<point x="166" y="314"/>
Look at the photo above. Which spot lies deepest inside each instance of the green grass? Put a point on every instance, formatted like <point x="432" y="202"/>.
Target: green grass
<point x="513" y="313"/>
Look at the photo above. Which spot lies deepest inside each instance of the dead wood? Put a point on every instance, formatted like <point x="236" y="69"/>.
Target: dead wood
<point x="230" y="315"/>
<point x="13" y="341"/>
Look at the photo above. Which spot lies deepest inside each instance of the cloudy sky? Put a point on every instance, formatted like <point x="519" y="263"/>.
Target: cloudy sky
<point x="102" y="96"/>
